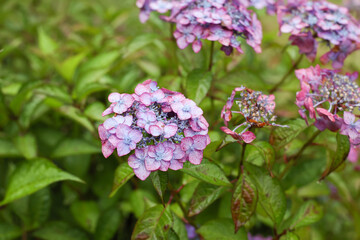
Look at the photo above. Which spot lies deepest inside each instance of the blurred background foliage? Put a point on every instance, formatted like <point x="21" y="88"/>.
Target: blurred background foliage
<point x="60" y="60"/>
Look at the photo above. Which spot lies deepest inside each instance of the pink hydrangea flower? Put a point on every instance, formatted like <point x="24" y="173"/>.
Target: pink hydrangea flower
<point x="256" y="108"/>
<point x="186" y="109"/>
<point x="193" y="147"/>
<point x="154" y="125"/>
<point x="326" y="96"/>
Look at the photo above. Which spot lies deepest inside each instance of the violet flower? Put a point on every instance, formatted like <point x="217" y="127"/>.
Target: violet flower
<point x="154" y="125"/>
<point x="307" y="21"/>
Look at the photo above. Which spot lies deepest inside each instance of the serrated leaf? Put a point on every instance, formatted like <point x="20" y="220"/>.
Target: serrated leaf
<point x="342" y="151"/>
<point x="244" y="201"/>
<point x="207" y="172"/>
<point x="271" y="195"/>
<point x="198" y="83"/>
<point x="153" y="224"/>
<point x="59" y="231"/>
<point x="211" y="148"/>
<point x="71" y="147"/>
<point x="309" y="213"/>
<point x="108" y="224"/>
<point x="32" y="176"/>
<point x="9" y="231"/>
<point x="123" y="173"/>
<point x="267" y="152"/>
<point x="282" y="136"/>
<point x="27" y="145"/>
<point x="221" y="229"/>
<point x="204" y="195"/>
<point x="46" y="44"/>
<point x="160" y="180"/>
<point x="86" y="213"/>
<point x="75" y="114"/>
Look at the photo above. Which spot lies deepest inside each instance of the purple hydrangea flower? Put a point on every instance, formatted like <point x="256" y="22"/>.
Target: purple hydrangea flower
<point x="159" y="157"/>
<point x="311" y="20"/>
<point x="127" y="139"/>
<point x="137" y="162"/>
<point x="215" y="20"/>
<point x="154" y="126"/>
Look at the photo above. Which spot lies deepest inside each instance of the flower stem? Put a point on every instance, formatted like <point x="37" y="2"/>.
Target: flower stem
<point x="211" y="56"/>
<point x="283" y="79"/>
<point x="242" y="159"/>
<point x="293" y="158"/>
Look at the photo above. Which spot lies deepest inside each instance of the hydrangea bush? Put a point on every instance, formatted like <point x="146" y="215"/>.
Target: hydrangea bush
<point x="111" y="129"/>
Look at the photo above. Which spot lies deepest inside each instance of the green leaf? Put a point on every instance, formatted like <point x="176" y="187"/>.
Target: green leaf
<point x="123" y="173"/>
<point x="342" y="151"/>
<point x="282" y="136"/>
<point x="9" y="231"/>
<point x="204" y="195"/>
<point x="8" y="149"/>
<point x="59" y="231"/>
<point x="39" y="207"/>
<point x="70" y="147"/>
<point x="25" y="93"/>
<point x="46" y="44"/>
<point x="94" y="111"/>
<point x="267" y="152"/>
<point x="27" y="145"/>
<point x="68" y="67"/>
<point x="290" y="236"/>
<point x="55" y="91"/>
<point x="244" y="200"/>
<point x="179" y="228"/>
<point x="160" y="181"/>
<point x="153" y="224"/>
<point x="208" y="172"/>
<point x="211" y="149"/>
<point x="172" y="235"/>
<point x="75" y="114"/>
<point x="221" y="229"/>
<point x="108" y="224"/>
<point x="32" y="176"/>
<point x="140" y="42"/>
<point x="271" y="195"/>
<point x="198" y="83"/>
<point x="309" y="213"/>
<point x="86" y="213"/>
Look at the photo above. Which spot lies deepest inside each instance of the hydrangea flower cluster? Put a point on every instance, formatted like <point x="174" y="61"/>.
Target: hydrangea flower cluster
<point x="330" y="99"/>
<point x="163" y="127"/>
<point x="308" y="20"/>
<point x="224" y="21"/>
<point x="256" y="108"/>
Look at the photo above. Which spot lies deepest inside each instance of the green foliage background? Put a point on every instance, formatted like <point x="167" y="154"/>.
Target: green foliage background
<point x="60" y="60"/>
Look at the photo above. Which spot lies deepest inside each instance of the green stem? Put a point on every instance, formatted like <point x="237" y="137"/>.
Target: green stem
<point x="293" y="159"/>
<point x="211" y="56"/>
<point x="283" y="79"/>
